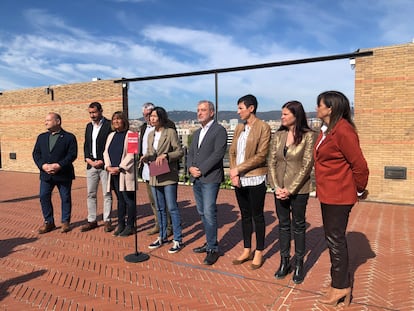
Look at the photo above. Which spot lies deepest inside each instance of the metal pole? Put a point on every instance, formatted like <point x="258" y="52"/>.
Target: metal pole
<point x="216" y="92"/>
<point x="137" y="256"/>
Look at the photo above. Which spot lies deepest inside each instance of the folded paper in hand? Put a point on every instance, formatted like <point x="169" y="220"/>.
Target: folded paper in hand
<point x="156" y="170"/>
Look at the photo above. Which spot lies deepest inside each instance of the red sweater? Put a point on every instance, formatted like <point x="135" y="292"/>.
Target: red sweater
<point x="340" y="167"/>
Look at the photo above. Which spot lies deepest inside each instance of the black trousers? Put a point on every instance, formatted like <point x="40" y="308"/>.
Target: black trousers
<point x="335" y="220"/>
<point x="126" y="204"/>
<point x="251" y="202"/>
<point x="295" y="205"/>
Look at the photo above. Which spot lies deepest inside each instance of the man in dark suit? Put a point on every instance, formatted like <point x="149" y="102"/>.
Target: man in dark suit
<point x="96" y="133"/>
<point x="54" y="153"/>
<point x="205" y="161"/>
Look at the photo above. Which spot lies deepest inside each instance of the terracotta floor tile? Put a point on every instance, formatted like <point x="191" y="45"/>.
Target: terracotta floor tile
<point x="87" y="271"/>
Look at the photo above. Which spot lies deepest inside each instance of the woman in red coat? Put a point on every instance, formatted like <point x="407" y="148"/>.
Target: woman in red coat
<point x="341" y="174"/>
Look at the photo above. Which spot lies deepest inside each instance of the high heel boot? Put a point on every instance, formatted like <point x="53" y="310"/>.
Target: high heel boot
<point x="335" y="295"/>
<point x="298" y="274"/>
<point x="284" y="268"/>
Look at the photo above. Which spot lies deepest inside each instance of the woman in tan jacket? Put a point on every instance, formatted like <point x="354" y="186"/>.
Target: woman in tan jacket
<point x="248" y="153"/>
<point x="120" y="165"/>
<point x="290" y="166"/>
<point x="164" y="145"/>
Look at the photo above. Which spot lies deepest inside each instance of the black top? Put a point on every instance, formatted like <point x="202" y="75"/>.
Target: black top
<point x="116" y="148"/>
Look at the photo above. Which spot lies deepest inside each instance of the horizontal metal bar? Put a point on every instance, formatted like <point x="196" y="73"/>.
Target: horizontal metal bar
<point x="250" y="67"/>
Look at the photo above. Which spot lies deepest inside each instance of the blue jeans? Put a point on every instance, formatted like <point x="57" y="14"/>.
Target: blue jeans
<point x="205" y="195"/>
<point x="46" y="189"/>
<point x="166" y="197"/>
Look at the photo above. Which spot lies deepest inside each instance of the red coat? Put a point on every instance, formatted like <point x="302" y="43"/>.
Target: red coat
<point x="340" y="167"/>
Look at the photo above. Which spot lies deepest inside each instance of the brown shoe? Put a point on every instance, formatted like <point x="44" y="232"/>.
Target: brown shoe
<point x="65" y="227"/>
<point x="89" y="226"/>
<point x="153" y="231"/>
<point x="47" y="227"/>
<point x="108" y="226"/>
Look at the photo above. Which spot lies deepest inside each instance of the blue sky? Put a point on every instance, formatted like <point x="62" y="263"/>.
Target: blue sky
<point x="58" y="42"/>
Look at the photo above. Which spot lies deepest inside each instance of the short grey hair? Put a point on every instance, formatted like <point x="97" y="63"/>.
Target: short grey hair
<point x="210" y="104"/>
<point x="147" y="106"/>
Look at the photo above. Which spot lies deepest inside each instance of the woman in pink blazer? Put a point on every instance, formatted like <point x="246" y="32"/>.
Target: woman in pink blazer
<point x="120" y="165"/>
<point x="341" y="174"/>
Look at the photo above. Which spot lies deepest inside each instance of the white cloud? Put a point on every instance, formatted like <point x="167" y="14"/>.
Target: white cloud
<point x="397" y="22"/>
<point x="57" y="51"/>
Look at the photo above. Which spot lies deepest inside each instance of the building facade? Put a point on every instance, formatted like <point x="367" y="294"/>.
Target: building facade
<point x="23" y="113"/>
<point x="383" y="113"/>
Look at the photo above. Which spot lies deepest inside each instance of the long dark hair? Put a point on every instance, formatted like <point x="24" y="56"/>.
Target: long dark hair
<point x="339" y="104"/>
<point x="162" y="116"/>
<point x="301" y="124"/>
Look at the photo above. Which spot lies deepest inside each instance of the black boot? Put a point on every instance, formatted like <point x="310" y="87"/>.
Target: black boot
<point x="299" y="274"/>
<point x="284" y="268"/>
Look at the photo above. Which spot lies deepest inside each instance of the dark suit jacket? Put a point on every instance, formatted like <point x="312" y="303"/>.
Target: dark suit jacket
<point x="64" y="152"/>
<point x="209" y="157"/>
<point x="100" y="140"/>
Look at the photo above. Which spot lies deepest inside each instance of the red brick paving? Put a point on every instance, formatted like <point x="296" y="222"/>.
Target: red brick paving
<point x="88" y="272"/>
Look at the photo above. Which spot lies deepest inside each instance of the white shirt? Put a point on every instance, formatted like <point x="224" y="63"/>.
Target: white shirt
<point x="95" y="131"/>
<point x="241" y="147"/>
<point x="157" y="136"/>
<point x="323" y="129"/>
<point x="145" y="169"/>
<point x="203" y="132"/>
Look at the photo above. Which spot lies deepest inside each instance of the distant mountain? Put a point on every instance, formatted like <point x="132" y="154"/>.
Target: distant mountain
<point x="182" y="115"/>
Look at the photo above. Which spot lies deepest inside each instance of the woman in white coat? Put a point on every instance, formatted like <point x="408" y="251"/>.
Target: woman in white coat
<point x="120" y="165"/>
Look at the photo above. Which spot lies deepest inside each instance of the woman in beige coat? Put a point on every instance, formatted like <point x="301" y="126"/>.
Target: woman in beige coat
<point x="164" y="145"/>
<point x="120" y="165"/>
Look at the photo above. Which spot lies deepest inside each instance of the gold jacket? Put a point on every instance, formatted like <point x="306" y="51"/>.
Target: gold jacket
<point x="293" y="170"/>
<point x="257" y="147"/>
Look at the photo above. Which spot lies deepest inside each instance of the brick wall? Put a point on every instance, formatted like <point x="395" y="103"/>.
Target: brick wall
<point x="23" y="113"/>
<point x="384" y="115"/>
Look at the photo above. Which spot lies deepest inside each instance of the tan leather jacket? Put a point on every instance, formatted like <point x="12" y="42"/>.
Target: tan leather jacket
<point x="293" y="170"/>
<point x="257" y="147"/>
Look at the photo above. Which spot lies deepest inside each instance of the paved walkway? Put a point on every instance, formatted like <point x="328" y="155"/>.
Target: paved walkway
<point x="87" y="271"/>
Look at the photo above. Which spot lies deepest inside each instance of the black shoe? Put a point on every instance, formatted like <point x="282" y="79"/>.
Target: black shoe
<point x="284" y="269"/>
<point x="89" y="226"/>
<point x="201" y="249"/>
<point x="211" y="257"/>
<point x="127" y="231"/>
<point x="298" y="274"/>
<point x="118" y="230"/>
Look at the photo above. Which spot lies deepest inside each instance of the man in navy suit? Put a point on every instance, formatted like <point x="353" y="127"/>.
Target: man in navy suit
<point x="96" y="133"/>
<point x="205" y="161"/>
<point x="54" y="153"/>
